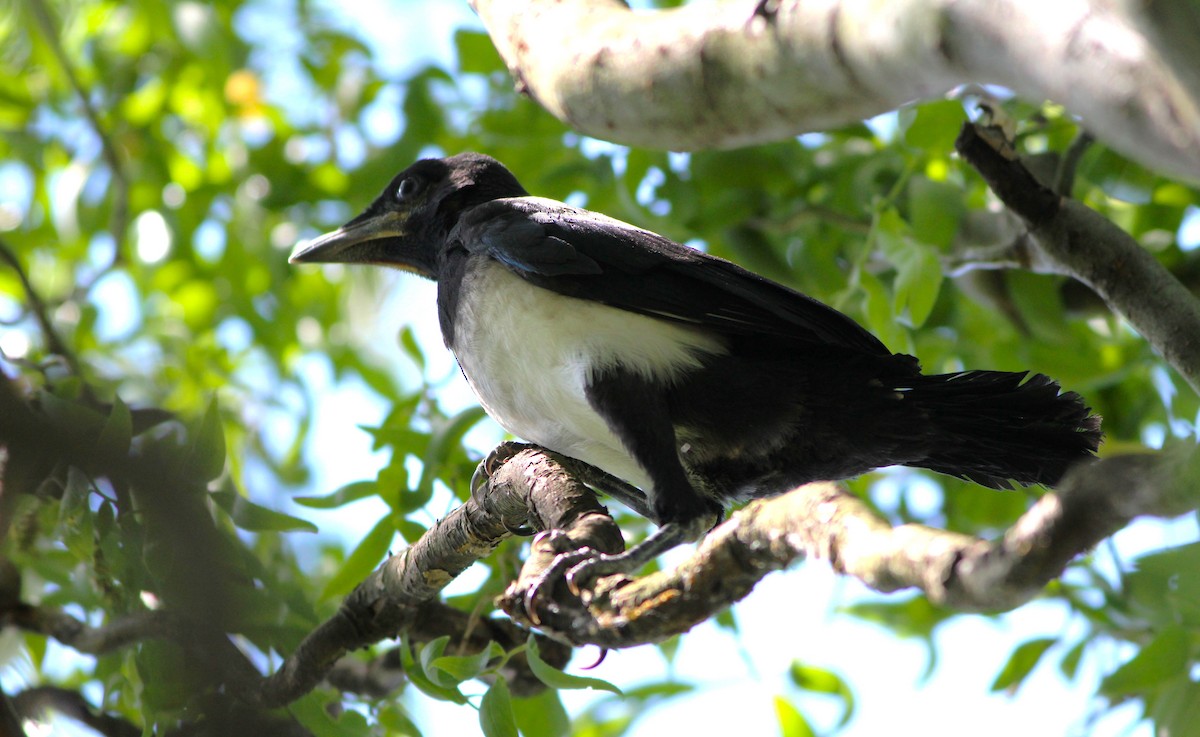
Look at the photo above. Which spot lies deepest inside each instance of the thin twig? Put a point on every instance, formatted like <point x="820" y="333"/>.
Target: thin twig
<point x="1069" y="238"/>
<point x="1064" y="178"/>
<point x="54" y="342"/>
<point x="120" y="215"/>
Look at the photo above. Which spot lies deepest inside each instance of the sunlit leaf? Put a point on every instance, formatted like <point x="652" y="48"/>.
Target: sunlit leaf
<point x="416" y="674"/>
<point x="347" y="494"/>
<point x="364" y="559"/>
<point x="1021" y="663"/>
<point x="556" y="678"/>
<point x="542" y="715"/>
<point x="496" y="718"/>
<point x="822" y="681"/>
<point x="792" y="722"/>
<point x="256" y="518"/>
<point x="1162" y="659"/>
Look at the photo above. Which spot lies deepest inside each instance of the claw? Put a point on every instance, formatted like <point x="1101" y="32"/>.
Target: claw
<point x="493" y="461"/>
<point x="599" y="660"/>
<point x="561" y="562"/>
<point x="480" y="478"/>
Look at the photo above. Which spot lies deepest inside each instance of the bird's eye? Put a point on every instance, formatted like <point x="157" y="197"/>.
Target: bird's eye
<point x="408" y="187"/>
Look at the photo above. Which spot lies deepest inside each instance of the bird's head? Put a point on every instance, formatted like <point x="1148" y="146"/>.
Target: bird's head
<point x="406" y="226"/>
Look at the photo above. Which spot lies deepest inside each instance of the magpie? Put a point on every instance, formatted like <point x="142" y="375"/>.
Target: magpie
<point x="692" y="379"/>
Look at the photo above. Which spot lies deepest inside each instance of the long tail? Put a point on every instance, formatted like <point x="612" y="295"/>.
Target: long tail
<point x="993" y="429"/>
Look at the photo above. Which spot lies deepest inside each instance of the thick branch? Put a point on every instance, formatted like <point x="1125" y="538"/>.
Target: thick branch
<point x="742" y="73"/>
<point x="1069" y="238"/>
<point x="825" y="521"/>
<point x="391" y="600"/>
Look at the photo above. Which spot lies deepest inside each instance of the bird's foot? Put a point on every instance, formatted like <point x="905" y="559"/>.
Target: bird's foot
<point x="488" y="466"/>
<point x="565" y="558"/>
<point x="587" y="570"/>
<point x="492" y="463"/>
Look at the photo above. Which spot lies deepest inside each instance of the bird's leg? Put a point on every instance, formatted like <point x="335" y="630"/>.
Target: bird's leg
<point x="610" y="485"/>
<point x="636" y="409"/>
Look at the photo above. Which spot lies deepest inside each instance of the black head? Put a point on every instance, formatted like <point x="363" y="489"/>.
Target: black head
<point x="406" y="226"/>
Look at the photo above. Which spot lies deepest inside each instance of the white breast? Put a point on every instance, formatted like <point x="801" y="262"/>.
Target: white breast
<point x="527" y="352"/>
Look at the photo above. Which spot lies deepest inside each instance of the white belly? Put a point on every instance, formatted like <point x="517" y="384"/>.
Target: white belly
<point x="527" y="356"/>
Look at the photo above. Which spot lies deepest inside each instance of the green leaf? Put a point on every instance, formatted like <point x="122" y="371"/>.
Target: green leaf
<point x="430" y="652"/>
<point x="791" y="722"/>
<point x="819" y="680"/>
<point x="74" y="515"/>
<point x="206" y="454"/>
<point x="1163" y="658"/>
<point x="465" y="667"/>
<point x="70" y="416"/>
<point x="412" y="349"/>
<point x="542" y="715"/>
<point x="117" y="432"/>
<point x="416" y="674"/>
<point x="1165" y="587"/>
<point x="442" y="441"/>
<point x="918" y="272"/>
<point x="1176" y="709"/>
<point x="934" y="126"/>
<point x="476" y="53"/>
<point x="496" y="717"/>
<point x="1069" y="665"/>
<point x="313" y="712"/>
<point x="256" y="518"/>
<point x="1021" y="663"/>
<point x="366" y="556"/>
<point x="935" y="210"/>
<point x="396" y="720"/>
<point x="556" y="678"/>
<point x="347" y="494"/>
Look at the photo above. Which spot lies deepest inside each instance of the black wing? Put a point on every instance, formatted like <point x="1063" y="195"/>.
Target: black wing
<point x="582" y="254"/>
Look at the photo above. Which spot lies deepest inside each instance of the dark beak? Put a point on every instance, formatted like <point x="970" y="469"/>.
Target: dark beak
<point x="358" y="241"/>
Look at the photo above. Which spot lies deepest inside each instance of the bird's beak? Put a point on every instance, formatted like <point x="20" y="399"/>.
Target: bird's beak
<point x="358" y="241"/>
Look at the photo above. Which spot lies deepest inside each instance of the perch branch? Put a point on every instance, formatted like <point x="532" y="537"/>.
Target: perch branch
<point x="823" y="520"/>
<point x="391" y="600"/>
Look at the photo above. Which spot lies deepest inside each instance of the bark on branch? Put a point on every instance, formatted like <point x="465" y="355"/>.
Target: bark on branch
<point x="823" y="520"/>
<point x="740" y="73"/>
<point x="1066" y="237"/>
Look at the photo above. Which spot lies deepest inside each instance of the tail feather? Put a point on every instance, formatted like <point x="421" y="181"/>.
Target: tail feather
<point x="995" y="427"/>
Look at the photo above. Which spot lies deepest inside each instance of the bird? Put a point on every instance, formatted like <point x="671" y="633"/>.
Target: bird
<point x="691" y="380"/>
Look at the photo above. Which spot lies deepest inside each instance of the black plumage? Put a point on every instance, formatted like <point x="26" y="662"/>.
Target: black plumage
<point x="682" y="373"/>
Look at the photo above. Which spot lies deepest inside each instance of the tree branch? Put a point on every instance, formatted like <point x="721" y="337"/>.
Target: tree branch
<point x="737" y="74"/>
<point x="1071" y="239"/>
<point x="393" y="599"/>
<point x="54" y="342"/>
<point x="120" y="215"/>
<point x="823" y="520"/>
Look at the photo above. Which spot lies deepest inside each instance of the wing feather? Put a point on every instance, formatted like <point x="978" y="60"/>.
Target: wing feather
<point x="586" y="255"/>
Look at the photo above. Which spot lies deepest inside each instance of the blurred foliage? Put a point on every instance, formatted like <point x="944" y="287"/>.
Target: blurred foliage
<point x="157" y="163"/>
